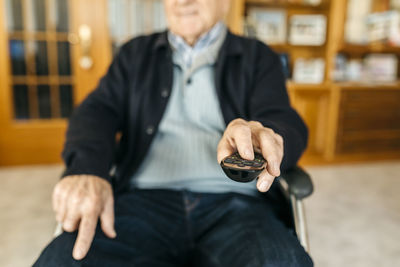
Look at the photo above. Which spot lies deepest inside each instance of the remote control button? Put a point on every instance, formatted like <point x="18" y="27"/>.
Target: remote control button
<point x="240" y="165"/>
<point x="257" y="165"/>
<point x="228" y="160"/>
<point x="248" y="163"/>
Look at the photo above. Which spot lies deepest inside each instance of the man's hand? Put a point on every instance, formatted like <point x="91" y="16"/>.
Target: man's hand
<point x="79" y="201"/>
<point x="242" y="136"/>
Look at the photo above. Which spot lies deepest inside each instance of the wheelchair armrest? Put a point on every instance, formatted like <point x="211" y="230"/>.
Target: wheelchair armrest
<point x="296" y="182"/>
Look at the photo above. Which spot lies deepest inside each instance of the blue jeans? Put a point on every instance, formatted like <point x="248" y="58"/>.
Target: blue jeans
<point x="182" y="228"/>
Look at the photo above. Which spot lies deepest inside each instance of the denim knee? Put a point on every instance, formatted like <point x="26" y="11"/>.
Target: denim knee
<point x="59" y="252"/>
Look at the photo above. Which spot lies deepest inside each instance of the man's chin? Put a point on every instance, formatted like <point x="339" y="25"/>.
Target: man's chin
<point x="190" y="32"/>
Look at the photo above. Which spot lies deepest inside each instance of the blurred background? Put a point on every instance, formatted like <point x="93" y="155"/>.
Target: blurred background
<point x="340" y="58"/>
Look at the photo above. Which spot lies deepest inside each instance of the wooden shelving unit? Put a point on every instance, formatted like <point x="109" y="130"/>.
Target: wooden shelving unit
<point x="370" y="86"/>
<point x="288" y="4"/>
<point x="341" y="116"/>
<point x="290" y="47"/>
<point x="367" y="49"/>
<point x="304" y="86"/>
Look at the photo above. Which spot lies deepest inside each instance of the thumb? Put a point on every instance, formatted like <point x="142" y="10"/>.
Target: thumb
<point x="107" y="218"/>
<point x="224" y="149"/>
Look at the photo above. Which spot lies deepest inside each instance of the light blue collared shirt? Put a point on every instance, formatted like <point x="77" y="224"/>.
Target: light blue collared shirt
<point x="187" y="52"/>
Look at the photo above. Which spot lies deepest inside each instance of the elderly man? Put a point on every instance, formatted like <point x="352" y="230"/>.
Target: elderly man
<point x="182" y="100"/>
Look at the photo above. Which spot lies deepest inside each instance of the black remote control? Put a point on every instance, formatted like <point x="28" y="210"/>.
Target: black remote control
<point x="243" y="170"/>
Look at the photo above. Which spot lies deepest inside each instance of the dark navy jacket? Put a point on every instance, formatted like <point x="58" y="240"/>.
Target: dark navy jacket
<point x="131" y="99"/>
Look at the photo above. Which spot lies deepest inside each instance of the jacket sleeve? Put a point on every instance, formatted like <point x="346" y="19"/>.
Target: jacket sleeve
<point x="269" y="104"/>
<point x="91" y="134"/>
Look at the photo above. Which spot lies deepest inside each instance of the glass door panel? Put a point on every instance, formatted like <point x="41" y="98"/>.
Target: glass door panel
<point x="42" y="81"/>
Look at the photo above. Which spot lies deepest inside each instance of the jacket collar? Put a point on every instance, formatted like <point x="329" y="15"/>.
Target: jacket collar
<point x="231" y="45"/>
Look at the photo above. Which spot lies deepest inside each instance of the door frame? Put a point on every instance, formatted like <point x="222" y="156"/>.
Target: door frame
<point x="40" y="141"/>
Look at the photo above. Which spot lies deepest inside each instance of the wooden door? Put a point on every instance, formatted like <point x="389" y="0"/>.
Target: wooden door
<point x="52" y="53"/>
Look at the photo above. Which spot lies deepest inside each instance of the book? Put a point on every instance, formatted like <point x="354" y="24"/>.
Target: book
<point x="374" y="68"/>
<point x="355" y="27"/>
<point x="355" y="71"/>
<point x="307" y="30"/>
<point x="339" y="72"/>
<point x="384" y="27"/>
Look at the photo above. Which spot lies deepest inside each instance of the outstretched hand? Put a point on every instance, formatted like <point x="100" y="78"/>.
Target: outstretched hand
<point x="247" y="136"/>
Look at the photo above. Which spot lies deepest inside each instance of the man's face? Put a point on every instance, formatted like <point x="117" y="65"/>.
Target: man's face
<point x="191" y="18"/>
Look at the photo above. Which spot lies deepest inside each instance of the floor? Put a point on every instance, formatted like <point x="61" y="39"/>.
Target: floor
<point x="353" y="216"/>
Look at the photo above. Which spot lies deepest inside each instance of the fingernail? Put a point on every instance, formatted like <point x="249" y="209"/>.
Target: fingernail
<point x="276" y="168"/>
<point x="248" y="153"/>
<point x="77" y="254"/>
<point x="264" y="186"/>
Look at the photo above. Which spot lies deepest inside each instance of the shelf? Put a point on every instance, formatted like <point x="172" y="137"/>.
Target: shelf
<point x="361" y="85"/>
<point x="344" y="85"/>
<point x="286" y="4"/>
<point x="370" y="48"/>
<point x="307" y="86"/>
<point x="288" y="47"/>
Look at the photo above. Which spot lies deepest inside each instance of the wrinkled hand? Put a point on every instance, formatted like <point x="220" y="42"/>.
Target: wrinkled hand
<point x="79" y="201"/>
<point x="247" y="136"/>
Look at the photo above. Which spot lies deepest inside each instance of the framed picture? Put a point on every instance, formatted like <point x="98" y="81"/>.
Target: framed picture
<point x="307" y="30"/>
<point x="269" y="24"/>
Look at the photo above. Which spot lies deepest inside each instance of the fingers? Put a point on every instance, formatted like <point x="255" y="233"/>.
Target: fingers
<point x="243" y="141"/>
<point x="237" y="136"/>
<point x="86" y="232"/>
<point x="272" y="149"/>
<point x="242" y="136"/>
<point x="71" y="221"/>
<point x="72" y="214"/>
<point x="107" y="219"/>
<point x="60" y="203"/>
<point x="224" y="149"/>
<point x="265" y="181"/>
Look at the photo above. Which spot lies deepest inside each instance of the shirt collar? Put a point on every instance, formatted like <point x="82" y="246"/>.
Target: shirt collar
<point x="188" y="52"/>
